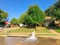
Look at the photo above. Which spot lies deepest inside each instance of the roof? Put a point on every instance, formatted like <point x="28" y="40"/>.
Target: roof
<point x="48" y="18"/>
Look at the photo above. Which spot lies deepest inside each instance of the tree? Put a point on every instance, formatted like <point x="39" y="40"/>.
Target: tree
<point x="58" y="14"/>
<point x="3" y="15"/>
<point x="57" y="4"/>
<point x="54" y="10"/>
<point x="34" y="16"/>
<point x="14" y="21"/>
<point x="51" y="11"/>
<point x="22" y="18"/>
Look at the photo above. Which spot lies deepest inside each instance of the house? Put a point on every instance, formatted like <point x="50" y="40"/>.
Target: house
<point x="49" y="22"/>
<point x="22" y="25"/>
<point x="57" y="23"/>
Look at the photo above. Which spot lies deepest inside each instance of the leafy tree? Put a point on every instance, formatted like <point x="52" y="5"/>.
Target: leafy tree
<point x="51" y="11"/>
<point x="58" y="14"/>
<point x="14" y="21"/>
<point x="54" y="10"/>
<point x="3" y="15"/>
<point x="57" y="4"/>
<point x="22" y="18"/>
<point x="34" y="16"/>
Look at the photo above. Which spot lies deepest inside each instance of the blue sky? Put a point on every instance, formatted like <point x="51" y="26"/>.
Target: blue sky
<point x="15" y="8"/>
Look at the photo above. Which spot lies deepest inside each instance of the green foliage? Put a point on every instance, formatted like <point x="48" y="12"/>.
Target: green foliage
<point x="3" y="15"/>
<point x="57" y="4"/>
<point x="22" y="18"/>
<point x="58" y="14"/>
<point x="51" y="11"/>
<point x="14" y="21"/>
<point x="57" y="30"/>
<point x="54" y="10"/>
<point x="34" y="16"/>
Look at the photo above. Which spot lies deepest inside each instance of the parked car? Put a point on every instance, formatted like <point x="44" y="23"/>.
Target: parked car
<point x="22" y="25"/>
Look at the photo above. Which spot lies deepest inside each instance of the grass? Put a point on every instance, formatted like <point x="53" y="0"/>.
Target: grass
<point x="42" y="31"/>
<point x="25" y="31"/>
<point x="21" y="30"/>
<point x="29" y="30"/>
<point x="46" y="35"/>
<point x="57" y="30"/>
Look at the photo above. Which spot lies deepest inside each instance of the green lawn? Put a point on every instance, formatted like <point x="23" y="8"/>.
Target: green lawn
<point x="46" y="35"/>
<point x="21" y="30"/>
<point x="29" y="30"/>
<point x="25" y="31"/>
<point x="57" y="30"/>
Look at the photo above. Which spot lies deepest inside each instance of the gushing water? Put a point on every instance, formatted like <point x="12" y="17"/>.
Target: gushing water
<point x="32" y="37"/>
